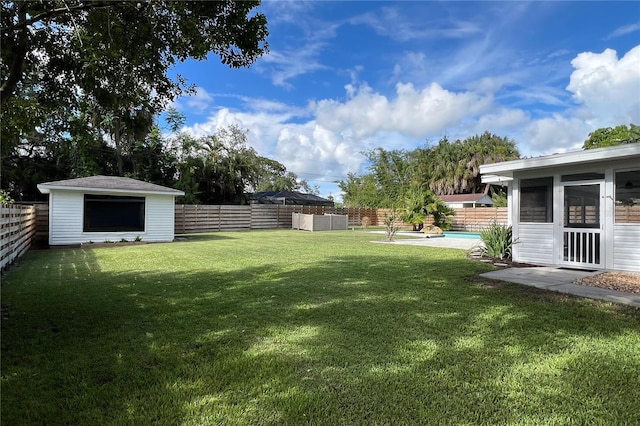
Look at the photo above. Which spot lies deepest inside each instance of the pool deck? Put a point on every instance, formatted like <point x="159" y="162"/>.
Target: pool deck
<point x="418" y="239"/>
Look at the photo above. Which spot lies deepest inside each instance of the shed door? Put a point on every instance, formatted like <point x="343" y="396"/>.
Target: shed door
<point x="582" y="242"/>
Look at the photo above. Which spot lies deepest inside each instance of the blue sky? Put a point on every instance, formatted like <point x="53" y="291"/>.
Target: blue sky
<point x="343" y="77"/>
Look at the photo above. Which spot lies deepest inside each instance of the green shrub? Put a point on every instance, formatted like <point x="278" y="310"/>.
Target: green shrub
<point x="5" y="198"/>
<point x="497" y="241"/>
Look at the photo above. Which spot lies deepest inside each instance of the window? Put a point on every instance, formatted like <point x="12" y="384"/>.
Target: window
<point x="536" y="200"/>
<point x="628" y="196"/>
<point x="582" y="206"/>
<point x="110" y="213"/>
<point x="582" y="176"/>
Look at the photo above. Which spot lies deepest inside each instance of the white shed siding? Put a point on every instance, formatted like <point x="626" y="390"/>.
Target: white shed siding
<point x="65" y="217"/>
<point x="534" y="243"/>
<point x="66" y="220"/>
<point x="626" y="247"/>
<point x="160" y="218"/>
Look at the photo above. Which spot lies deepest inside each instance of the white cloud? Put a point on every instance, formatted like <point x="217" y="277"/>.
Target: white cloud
<point x="403" y="27"/>
<point x="553" y="134"/>
<point x="413" y="112"/>
<point x="323" y="141"/>
<point x="291" y="63"/>
<point x="200" y="102"/>
<point x="624" y="30"/>
<point x="608" y="88"/>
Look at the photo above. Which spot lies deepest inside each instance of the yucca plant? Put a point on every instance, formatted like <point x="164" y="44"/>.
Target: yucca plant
<point x="497" y="240"/>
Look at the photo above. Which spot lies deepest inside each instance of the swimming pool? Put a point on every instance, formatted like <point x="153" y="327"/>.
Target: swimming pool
<point x="460" y="234"/>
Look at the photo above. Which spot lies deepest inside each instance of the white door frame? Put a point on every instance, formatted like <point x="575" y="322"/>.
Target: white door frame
<point x="582" y="246"/>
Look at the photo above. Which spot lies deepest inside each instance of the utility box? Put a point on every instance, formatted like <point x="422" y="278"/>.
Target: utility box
<point x="319" y="222"/>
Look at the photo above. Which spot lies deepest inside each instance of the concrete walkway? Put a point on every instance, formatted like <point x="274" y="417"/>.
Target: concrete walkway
<point x="562" y="280"/>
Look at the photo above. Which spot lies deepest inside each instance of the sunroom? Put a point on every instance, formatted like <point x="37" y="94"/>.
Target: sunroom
<point x="577" y="209"/>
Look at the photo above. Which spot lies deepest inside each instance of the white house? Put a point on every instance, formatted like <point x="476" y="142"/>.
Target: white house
<point x="109" y="208"/>
<point x="457" y="201"/>
<point x="577" y="209"/>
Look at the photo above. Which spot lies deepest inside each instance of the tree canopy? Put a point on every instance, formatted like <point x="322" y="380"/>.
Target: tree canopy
<point x="612" y="136"/>
<point x="85" y="78"/>
<point x="445" y="168"/>
<point x="120" y="50"/>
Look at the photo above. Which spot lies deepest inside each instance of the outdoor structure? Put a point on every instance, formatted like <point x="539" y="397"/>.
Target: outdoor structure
<point x="578" y="209"/>
<point x="109" y="208"/>
<point x="459" y="201"/>
<point x="289" y="198"/>
<point x="319" y="222"/>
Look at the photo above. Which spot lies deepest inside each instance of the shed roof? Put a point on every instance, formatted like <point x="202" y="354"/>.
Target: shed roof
<point x="115" y="184"/>
<point x="498" y="171"/>
<point x="466" y="198"/>
<point x="289" y="197"/>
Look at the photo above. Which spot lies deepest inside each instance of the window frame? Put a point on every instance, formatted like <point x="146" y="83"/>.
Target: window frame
<point x="615" y="196"/>
<point x="91" y="201"/>
<point x="549" y="198"/>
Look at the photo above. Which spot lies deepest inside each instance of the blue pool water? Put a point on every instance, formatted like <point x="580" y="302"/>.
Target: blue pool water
<point x="458" y="234"/>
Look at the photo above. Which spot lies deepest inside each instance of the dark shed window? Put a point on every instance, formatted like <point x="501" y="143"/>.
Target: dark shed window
<point x="111" y="213"/>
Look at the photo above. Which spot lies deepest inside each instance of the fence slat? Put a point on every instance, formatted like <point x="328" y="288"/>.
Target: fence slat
<point x="193" y="219"/>
<point x="17" y="231"/>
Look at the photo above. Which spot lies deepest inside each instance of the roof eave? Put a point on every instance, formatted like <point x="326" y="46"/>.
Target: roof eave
<point x="496" y="179"/>
<point x="46" y="189"/>
<point x="507" y="168"/>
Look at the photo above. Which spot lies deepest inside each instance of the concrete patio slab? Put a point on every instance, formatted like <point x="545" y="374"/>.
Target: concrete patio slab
<point x="563" y="281"/>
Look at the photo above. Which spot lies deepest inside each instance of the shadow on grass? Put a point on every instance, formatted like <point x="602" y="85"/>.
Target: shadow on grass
<point x="346" y="339"/>
<point x="216" y="236"/>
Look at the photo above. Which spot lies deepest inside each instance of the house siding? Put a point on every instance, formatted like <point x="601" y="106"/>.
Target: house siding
<point x="65" y="217"/>
<point x="534" y="243"/>
<point x="626" y="247"/>
<point x="66" y="220"/>
<point x="160" y="218"/>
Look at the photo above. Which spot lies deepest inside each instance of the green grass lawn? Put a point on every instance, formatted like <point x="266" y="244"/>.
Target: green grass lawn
<point x="291" y="327"/>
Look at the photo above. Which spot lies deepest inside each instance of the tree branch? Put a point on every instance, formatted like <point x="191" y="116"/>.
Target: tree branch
<point x="18" y="54"/>
<point x="60" y="11"/>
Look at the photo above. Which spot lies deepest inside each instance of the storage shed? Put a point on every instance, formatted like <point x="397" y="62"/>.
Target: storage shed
<point x="109" y="208"/>
<point x="577" y="209"/>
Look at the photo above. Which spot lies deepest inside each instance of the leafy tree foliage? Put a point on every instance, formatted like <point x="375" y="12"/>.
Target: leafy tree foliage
<point x="222" y="168"/>
<point x="392" y="173"/>
<point x="454" y="167"/>
<point x="83" y="79"/>
<point x="118" y="49"/>
<point x="360" y="191"/>
<point x="612" y="136"/>
<point x="420" y="202"/>
<point x="446" y="168"/>
<point x="214" y="169"/>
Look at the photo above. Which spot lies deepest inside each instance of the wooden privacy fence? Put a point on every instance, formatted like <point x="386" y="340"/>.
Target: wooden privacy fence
<point x="477" y="219"/>
<point x="203" y="218"/>
<point x="17" y="230"/>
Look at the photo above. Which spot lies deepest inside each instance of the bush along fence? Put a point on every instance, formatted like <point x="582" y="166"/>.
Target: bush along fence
<point x="17" y="231"/>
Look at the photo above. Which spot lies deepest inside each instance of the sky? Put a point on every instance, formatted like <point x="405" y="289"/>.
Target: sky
<point x="345" y="77"/>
